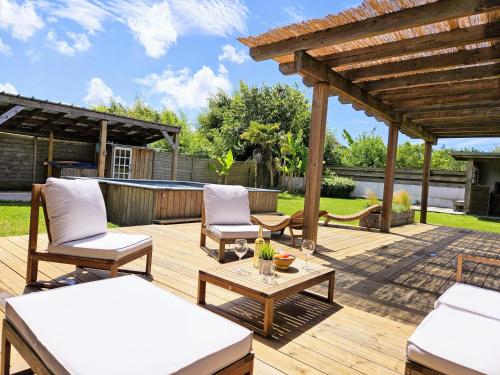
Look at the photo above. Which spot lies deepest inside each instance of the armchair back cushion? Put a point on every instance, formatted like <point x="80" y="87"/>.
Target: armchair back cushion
<point x="226" y="204"/>
<point x="75" y="209"/>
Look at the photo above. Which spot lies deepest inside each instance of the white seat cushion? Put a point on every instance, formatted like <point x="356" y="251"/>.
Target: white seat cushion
<point x="473" y="299"/>
<point x="456" y="342"/>
<point x="109" y="245"/>
<point x="226" y="204"/>
<point x="75" y="209"/>
<point x="238" y="231"/>
<point x="125" y="326"/>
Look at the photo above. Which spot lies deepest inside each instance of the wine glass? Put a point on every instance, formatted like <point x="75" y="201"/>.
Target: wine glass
<point x="308" y="247"/>
<point x="240" y="249"/>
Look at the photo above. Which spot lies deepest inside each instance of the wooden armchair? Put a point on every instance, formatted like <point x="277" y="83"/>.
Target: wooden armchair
<point x="114" y="249"/>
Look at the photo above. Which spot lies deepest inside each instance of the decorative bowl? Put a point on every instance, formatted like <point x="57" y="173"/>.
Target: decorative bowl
<point x="282" y="262"/>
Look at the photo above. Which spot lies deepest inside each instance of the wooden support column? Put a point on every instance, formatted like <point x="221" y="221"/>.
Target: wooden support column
<point x="426" y="177"/>
<point x="35" y="151"/>
<point x="468" y="184"/>
<point x="392" y="149"/>
<point x="175" y="157"/>
<point x="101" y="160"/>
<point x="50" y="153"/>
<point x="315" y="159"/>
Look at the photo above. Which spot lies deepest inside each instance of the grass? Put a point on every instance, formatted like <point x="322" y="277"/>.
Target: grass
<point x="15" y="219"/>
<point x="290" y="203"/>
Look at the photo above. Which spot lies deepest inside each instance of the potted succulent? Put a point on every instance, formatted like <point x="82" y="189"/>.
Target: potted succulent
<point x="402" y="212"/>
<point x="266" y="260"/>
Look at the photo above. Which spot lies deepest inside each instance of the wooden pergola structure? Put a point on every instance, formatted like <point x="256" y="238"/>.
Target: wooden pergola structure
<point x="429" y="69"/>
<point x="41" y="118"/>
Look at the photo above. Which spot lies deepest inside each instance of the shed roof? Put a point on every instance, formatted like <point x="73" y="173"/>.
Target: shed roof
<point x="476" y="156"/>
<point x="431" y="65"/>
<point x="35" y="117"/>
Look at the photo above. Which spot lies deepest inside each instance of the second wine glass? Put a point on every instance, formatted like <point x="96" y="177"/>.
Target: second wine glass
<point x="240" y="249"/>
<point x="308" y="247"/>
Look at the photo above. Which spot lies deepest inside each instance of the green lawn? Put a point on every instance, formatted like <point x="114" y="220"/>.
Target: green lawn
<point x="15" y="219"/>
<point x="289" y="204"/>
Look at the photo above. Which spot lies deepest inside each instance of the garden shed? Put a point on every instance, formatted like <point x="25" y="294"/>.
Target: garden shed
<point x="39" y="139"/>
<point x="482" y="186"/>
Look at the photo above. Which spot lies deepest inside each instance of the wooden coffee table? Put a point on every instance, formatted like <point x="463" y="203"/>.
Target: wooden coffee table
<point x="294" y="280"/>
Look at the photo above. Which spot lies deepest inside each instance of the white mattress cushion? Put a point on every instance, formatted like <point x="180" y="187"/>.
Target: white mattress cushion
<point x="473" y="299"/>
<point x="75" y="209"/>
<point x="238" y="231"/>
<point x="226" y="204"/>
<point x="108" y="245"/>
<point x="125" y="326"/>
<point x="456" y="342"/>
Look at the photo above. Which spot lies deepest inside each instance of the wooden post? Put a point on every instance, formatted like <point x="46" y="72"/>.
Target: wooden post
<point x="468" y="184"/>
<point x="50" y="153"/>
<point x="392" y="149"/>
<point x="175" y="157"/>
<point x="35" y="150"/>
<point x="101" y="160"/>
<point x="315" y="160"/>
<point x="426" y="176"/>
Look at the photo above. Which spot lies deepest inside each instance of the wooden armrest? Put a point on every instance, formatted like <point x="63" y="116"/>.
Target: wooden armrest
<point x="475" y="259"/>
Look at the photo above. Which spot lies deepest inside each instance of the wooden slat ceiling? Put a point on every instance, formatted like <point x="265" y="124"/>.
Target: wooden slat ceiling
<point x="38" y="118"/>
<point x="433" y="66"/>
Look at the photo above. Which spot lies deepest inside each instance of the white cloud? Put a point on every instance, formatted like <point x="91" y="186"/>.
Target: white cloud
<point x="100" y="93"/>
<point x="181" y="89"/>
<point x="77" y="43"/>
<point x="232" y="54"/>
<point x="151" y="24"/>
<point x="20" y="18"/>
<point x="295" y="13"/>
<point x="5" y="49"/>
<point x="84" y="12"/>
<point x="33" y="55"/>
<point x="8" y="88"/>
<point x="157" y="26"/>
<point x="215" y="17"/>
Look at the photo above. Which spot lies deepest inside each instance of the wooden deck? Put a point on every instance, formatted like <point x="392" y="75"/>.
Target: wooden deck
<point x="386" y="283"/>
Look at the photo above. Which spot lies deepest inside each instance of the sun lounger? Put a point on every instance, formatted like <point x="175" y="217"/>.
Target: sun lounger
<point x="121" y="326"/>
<point x="75" y="217"/>
<point x="280" y="223"/>
<point x="226" y="217"/>
<point x="460" y="336"/>
<point x="361" y="215"/>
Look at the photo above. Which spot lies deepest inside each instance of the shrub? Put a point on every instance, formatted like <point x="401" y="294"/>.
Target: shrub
<point x="371" y="198"/>
<point x="401" y="201"/>
<point x="338" y="187"/>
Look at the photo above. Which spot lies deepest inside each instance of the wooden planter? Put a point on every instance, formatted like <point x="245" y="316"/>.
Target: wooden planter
<point x="397" y="219"/>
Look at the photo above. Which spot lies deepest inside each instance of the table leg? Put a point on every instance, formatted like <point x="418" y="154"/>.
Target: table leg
<point x="331" y="288"/>
<point x="202" y="291"/>
<point x="268" y="316"/>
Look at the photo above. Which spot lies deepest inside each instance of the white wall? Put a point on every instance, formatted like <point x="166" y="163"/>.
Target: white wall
<point x="439" y="196"/>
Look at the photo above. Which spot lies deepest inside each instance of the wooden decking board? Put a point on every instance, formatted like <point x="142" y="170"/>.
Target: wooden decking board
<point x="383" y="290"/>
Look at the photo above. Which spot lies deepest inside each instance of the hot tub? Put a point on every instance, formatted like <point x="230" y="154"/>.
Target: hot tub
<point x="138" y="202"/>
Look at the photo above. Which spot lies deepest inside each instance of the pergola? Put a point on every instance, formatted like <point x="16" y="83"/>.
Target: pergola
<point x="429" y="69"/>
<point x="41" y="118"/>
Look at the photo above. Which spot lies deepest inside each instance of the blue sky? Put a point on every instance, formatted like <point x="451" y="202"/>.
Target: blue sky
<point x="168" y="52"/>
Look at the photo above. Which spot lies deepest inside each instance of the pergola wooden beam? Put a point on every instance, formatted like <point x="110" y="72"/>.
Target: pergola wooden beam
<point x="308" y="66"/>
<point x="445" y="76"/>
<point x="432" y="42"/>
<point x="101" y="160"/>
<point x="412" y="17"/>
<point x="452" y="113"/>
<point x="390" y="167"/>
<point x="449" y="60"/>
<point x="441" y="101"/>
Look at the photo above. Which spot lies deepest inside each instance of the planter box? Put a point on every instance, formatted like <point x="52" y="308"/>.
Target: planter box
<point x="397" y="219"/>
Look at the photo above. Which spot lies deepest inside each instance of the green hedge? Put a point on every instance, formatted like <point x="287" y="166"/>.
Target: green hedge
<point x="337" y="187"/>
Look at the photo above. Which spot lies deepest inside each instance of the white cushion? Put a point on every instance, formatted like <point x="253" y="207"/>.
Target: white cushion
<point x="238" y="231"/>
<point x="75" y="208"/>
<point x="125" y="326"/>
<point x="473" y="299"/>
<point x="226" y="204"/>
<point x="456" y="342"/>
<point x="109" y="245"/>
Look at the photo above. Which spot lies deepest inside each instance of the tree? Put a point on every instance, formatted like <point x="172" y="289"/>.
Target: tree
<point x="293" y="158"/>
<point x="410" y="156"/>
<point x="223" y="166"/>
<point x="333" y="150"/>
<point x="265" y="137"/>
<point x="366" y="150"/>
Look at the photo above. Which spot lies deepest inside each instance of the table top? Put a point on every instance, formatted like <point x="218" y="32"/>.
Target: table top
<point x="293" y="277"/>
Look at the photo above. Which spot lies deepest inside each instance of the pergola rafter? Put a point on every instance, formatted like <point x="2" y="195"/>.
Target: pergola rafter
<point x="427" y="68"/>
